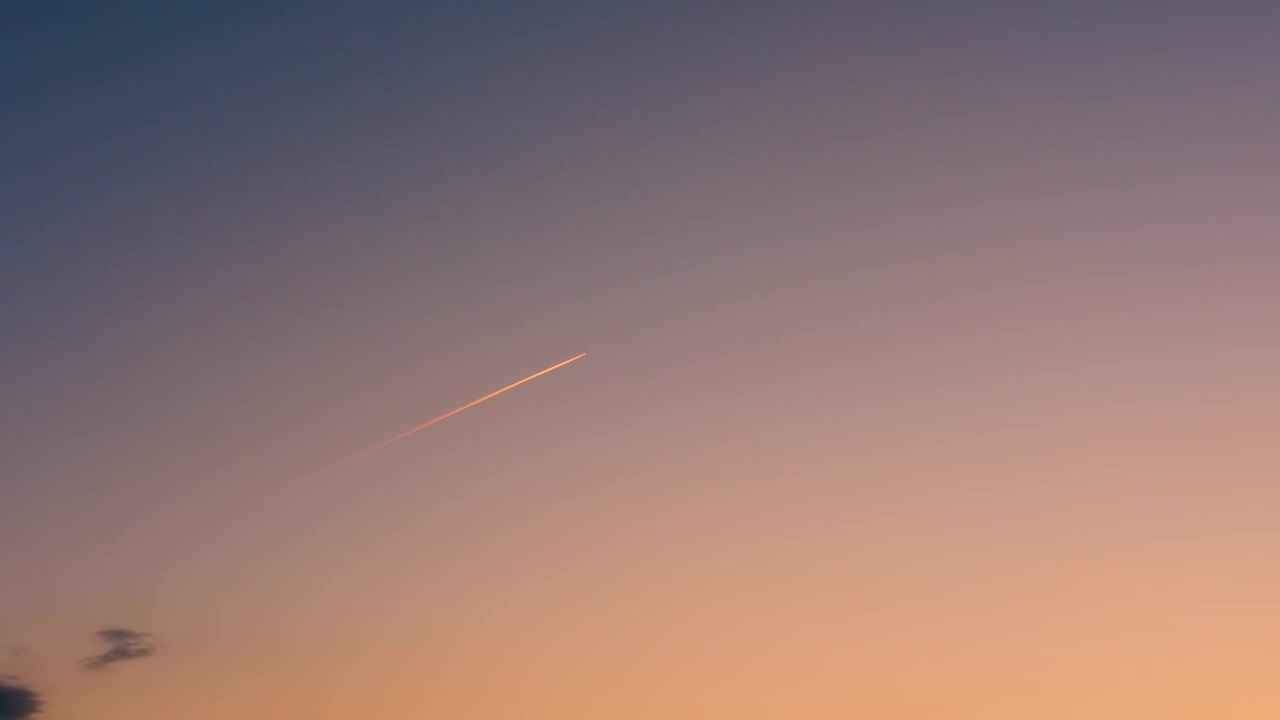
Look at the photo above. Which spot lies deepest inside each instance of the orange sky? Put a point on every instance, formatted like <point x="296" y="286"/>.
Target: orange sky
<point x="932" y="368"/>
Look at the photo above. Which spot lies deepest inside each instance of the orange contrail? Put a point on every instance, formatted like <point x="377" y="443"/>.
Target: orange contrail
<point x="451" y="413"/>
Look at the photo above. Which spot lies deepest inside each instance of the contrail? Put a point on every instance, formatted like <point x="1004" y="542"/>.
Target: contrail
<point x="451" y="413"/>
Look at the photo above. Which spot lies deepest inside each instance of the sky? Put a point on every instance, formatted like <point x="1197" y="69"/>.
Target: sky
<point x="932" y="363"/>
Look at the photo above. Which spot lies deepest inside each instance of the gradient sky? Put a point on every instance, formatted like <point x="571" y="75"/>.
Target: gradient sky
<point x="933" y="363"/>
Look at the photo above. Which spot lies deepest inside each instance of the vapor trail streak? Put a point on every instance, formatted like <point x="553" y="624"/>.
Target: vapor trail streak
<point x="451" y="413"/>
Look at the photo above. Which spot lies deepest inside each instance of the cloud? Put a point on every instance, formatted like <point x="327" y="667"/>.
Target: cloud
<point x="122" y="645"/>
<point x="17" y="702"/>
<point x="13" y="653"/>
<point x="16" y="659"/>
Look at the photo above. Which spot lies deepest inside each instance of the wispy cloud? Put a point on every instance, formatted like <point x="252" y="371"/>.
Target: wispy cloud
<point x="13" y="657"/>
<point x="122" y="645"/>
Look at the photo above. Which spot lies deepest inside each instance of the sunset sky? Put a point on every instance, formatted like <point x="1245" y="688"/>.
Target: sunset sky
<point x="934" y="361"/>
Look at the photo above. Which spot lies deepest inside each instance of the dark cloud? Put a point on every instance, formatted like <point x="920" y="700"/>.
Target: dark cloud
<point x="17" y="702"/>
<point x="122" y="645"/>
